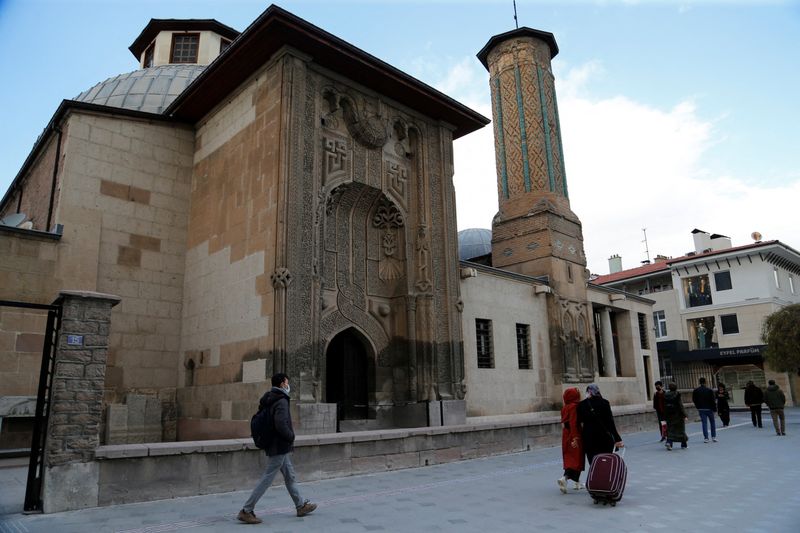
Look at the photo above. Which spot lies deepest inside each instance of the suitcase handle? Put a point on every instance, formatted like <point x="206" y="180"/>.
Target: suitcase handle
<point x="620" y="451"/>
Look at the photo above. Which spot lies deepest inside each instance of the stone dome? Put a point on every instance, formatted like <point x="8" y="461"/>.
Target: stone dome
<point x="150" y="89"/>
<point x="474" y="242"/>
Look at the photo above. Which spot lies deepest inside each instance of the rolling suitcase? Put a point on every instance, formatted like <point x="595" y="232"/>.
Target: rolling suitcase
<point x="607" y="476"/>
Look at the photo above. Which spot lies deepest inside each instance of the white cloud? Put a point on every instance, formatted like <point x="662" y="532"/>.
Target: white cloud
<point x="629" y="166"/>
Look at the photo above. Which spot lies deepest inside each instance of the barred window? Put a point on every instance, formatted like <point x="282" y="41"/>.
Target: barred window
<point x="524" y="346"/>
<point x="644" y="339"/>
<point x="483" y="333"/>
<point x="184" y="47"/>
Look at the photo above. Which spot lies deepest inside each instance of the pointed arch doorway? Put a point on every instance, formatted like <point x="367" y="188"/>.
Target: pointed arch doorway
<point x="348" y="374"/>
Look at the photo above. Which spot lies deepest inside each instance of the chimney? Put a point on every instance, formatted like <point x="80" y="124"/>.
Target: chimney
<point x="614" y="264"/>
<point x="702" y="241"/>
<point x="720" y="242"/>
<point x="661" y="258"/>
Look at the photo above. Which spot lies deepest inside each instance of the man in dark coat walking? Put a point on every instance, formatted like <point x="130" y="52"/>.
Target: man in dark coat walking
<point x="703" y="399"/>
<point x="598" y="431"/>
<point x="279" y="452"/>
<point x="753" y="398"/>
<point x="776" y="400"/>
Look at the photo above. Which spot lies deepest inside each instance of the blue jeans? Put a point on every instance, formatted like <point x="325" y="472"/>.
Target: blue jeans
<point x="274" y="464"/>
<point x="706" y="416"/>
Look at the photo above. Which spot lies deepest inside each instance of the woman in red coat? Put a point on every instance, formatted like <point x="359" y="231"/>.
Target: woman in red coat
<point x="571" y="444"/>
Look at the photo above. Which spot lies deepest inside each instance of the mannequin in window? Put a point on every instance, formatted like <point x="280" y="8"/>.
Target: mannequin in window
<point x="701" y="336"/>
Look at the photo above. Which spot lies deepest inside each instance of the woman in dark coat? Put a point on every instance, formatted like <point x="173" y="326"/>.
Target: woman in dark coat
<point x="597" y="425"/>
<point x="723" y="409"/>
<point x="676" y="417"/>
<point x="571" y="444"/>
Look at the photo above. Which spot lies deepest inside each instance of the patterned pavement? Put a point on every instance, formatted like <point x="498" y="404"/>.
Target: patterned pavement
<point x="747" y="482"/>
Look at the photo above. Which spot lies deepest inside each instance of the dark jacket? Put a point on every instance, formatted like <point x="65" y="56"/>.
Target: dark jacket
<point x="278" y="401"/>
<point x="599" y="432"/>
<point x="774" y="397"/>
<point x="703" y="398"/>
<point x="753" y="395"/>
<point x="675" y="415"/>
<point x="722" y="399"/>
<point x="658" y="403"/>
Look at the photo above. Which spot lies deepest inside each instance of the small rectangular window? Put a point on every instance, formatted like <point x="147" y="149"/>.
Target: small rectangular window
<point x="697" y="291"/>
<point x="184" y="47"/>
<point x="483" y="334"/>
<point x="730" y="324"/>
<point x="644" y="339"/>
<point x="223" y="45"/>
<point x="660" y="320"/>
<point x="524" y="346"/>
<point x="148" y="56"/>
<point x="791" y="284"/>
<point x="777" y="279"/>
<point x="723" y="281"/>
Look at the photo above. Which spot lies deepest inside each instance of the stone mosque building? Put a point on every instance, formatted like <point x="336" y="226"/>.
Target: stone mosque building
<point x="280" y="200"/>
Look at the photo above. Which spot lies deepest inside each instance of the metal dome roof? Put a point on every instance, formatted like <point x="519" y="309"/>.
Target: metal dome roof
<point x="150" y="90"/>
<point x="474" y="242"/>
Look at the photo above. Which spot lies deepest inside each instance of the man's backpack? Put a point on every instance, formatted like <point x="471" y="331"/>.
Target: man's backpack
<point x="262" y="427"/>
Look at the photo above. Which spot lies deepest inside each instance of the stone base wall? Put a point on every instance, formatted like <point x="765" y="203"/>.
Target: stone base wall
<point x="144" y="472"/>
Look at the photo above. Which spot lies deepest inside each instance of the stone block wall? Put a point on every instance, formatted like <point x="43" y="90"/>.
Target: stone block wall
<point x="145" y="472"/>
<point x="130" y="179"/>
<point x="30" y="266"/>
<point x="227" y="329"/>
<point x="21" y="340"/>
<point x="36" y="185"/>
<point x="76" y="403"/>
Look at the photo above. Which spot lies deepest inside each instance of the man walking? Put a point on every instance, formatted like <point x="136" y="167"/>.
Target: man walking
<point x="658" y="405"/>
<point x="703" y="399"/>
<point x="279" y="452"/>
<point x="775" y="400"/>
<point x="753" y="398"/>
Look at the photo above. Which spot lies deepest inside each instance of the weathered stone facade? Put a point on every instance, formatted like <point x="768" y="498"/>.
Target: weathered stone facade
<point x="535" y="232"/>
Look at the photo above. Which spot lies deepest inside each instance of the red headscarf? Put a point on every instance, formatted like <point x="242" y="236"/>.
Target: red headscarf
<point x="571" y="444"/>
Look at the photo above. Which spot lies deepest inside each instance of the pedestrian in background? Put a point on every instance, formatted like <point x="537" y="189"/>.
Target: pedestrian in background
<point x="776" y="400"/>
<point x="658" y="405"/>
<point x="703" y="399"/>
<point x="723" y="407"/>
<point x="676" y="417"/>
<point x="753" y="398"/>
<point x="279" y="452"/>
<point x="571" y="444"/>
<point x="598" y="430"/>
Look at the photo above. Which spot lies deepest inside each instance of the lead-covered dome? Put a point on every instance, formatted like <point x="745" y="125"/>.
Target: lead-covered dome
<point x="474" y="242"/>
<point x="150" y="90"/>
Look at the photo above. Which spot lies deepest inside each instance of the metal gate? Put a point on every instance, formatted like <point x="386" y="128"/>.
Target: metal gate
<point x="33" y="490"/>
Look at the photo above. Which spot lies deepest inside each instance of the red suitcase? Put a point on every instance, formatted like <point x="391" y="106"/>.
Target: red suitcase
<point x="607" y="476"/>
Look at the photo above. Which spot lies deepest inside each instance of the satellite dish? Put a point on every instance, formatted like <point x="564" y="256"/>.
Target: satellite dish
<point x="756" y="236"/>
<point x="13" y="220"/>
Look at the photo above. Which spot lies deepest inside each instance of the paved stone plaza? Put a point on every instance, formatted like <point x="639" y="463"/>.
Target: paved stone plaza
<point x="747" y="482"/>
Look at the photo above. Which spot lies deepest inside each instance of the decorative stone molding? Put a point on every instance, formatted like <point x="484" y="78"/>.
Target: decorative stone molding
<point x="281" y="278"/>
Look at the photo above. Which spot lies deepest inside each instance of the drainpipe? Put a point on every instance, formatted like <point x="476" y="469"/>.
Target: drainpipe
<point x="55" y="176"/>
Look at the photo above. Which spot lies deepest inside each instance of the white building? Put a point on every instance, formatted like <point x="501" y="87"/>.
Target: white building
<point x="710" y="305"/>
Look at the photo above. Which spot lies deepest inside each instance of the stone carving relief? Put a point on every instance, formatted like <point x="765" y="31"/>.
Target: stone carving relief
<point x="396" y="182"/>
<point x="368" y="129"/>
<point x="575" y="342"/>
<point x="389" y="219"/>
<point x="423" y="283"/>
<point x="281" y="278"/>
<point x="336" y="159"/>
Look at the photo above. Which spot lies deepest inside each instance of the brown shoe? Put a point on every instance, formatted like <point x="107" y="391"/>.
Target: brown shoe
<point x="306" y="508"/>
<point x="249" y="518"/>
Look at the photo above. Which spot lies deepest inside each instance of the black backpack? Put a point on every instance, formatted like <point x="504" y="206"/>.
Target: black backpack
<point x="262" y="427"/>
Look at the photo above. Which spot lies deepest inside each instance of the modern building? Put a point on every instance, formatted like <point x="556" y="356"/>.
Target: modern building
<point x="710" y="305"/>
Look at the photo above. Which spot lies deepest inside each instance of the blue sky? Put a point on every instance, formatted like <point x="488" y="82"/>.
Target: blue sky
<point x="675" y="115"/>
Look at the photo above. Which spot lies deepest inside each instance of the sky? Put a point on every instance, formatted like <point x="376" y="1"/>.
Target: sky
<point x="674" y="115"/>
